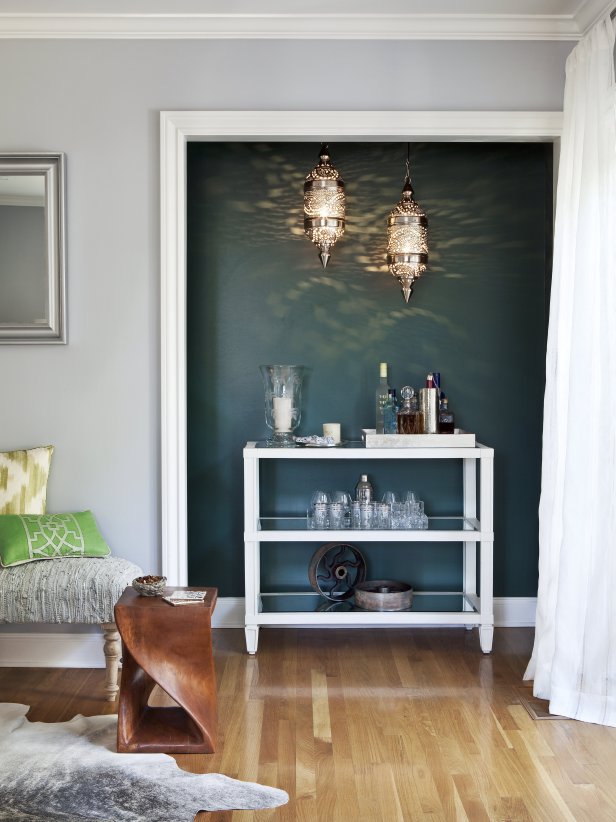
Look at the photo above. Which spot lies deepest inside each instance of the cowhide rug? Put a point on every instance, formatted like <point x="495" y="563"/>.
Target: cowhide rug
<point x="70" y="771"/>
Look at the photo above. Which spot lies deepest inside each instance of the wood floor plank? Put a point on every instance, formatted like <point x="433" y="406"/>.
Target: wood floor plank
<point x="369" y="725"/>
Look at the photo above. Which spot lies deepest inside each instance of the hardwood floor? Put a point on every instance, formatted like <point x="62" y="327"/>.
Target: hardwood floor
<point x="398" y="725"/>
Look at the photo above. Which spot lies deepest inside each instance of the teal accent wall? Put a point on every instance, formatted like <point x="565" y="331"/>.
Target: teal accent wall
<point x="257" y="294"/>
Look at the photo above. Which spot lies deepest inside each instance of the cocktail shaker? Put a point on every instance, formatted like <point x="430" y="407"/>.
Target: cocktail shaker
<point x="428" y="403"/>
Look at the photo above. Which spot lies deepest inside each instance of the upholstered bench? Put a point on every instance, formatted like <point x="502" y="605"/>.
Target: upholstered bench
<point x="70" y="590"/>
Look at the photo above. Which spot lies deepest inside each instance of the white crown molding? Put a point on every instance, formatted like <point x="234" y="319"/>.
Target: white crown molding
<point x="590" y="12"/>
<point x="298" y="26"/>
<point x="474" y="126"/>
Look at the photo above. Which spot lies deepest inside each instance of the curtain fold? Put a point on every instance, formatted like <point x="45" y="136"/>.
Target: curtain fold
<point x="573" y="663"/>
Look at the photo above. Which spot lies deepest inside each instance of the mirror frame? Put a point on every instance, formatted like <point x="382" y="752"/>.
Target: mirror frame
<point x="52" y="166"/>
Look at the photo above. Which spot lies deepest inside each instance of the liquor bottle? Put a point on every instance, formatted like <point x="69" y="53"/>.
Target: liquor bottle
<point x="409" y="418"/>
<point x="382" y="394"/>
<point x="363" y="490"/>
<point x="445" y="417"/>
<point x="390" y="413"/>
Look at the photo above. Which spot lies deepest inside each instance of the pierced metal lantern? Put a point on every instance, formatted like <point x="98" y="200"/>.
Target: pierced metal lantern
<point x="407" y="239"/>
<point x="324" y="206"/>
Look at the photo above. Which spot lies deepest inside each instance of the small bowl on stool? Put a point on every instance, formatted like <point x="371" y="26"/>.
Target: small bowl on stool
<point x="150" y="586"/>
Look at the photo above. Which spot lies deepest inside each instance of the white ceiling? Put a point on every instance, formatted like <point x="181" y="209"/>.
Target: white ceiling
<point x="317" y="19"/>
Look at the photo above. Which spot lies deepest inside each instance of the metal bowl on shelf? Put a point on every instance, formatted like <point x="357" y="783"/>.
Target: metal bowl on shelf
<point x="383" y="595"/>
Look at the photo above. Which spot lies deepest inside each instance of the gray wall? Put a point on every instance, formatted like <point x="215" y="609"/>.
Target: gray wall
<point x="97" y="399"/>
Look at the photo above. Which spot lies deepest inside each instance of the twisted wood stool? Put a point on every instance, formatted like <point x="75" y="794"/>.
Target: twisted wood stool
<point x="170" y="646"/>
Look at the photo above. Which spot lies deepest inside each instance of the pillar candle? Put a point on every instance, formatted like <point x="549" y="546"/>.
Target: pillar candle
<point x="283" y="409"/>
<point x="332" y="429"/>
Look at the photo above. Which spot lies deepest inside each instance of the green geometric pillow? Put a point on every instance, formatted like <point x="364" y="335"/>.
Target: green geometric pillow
<point x="23" y="480"/>
<point x="26" y="537"/>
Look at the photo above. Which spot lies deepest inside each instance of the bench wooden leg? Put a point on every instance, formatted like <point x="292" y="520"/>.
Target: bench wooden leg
<point x="111" y="649"/>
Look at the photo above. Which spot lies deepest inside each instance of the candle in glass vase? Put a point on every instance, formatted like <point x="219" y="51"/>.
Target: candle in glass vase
<point x="283" y="410"/>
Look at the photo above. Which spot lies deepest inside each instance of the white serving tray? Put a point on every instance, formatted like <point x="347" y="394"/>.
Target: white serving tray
<point x="459" y="439"/>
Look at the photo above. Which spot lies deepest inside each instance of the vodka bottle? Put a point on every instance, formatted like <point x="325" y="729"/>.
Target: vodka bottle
<point x="382" y="395"/>
<point x="390" y="412"/>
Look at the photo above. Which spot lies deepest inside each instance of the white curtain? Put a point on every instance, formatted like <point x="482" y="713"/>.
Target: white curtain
<point x="574" y="657"/>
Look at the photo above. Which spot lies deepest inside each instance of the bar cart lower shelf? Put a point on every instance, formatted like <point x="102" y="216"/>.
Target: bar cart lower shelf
<point x="303" y="609"/>
<point x="307" y="608"/>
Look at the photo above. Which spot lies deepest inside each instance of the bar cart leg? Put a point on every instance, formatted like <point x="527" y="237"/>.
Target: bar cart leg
<point x="486" y="509"/>
<point x="486" y="636"/>
<point x="252" y="638"/>
<point x="252" y="552"/>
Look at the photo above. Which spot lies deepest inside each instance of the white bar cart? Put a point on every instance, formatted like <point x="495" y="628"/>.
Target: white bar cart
<point x="464" y="607"/>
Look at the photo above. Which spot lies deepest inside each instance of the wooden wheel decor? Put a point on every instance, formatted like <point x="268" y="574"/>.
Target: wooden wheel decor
<point x="335" y="569"/>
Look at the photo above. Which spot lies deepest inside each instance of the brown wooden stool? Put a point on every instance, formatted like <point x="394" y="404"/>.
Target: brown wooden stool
<point x="170" y="646"/>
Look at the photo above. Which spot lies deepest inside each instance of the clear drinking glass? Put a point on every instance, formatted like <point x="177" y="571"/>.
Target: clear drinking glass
<point x="366" y="516"/>
<point x="399" y="516"/>
<point x="310" y="518"/>
<point x="383" y="515"/>
<point x="355" y="514"/>
<point x="415" y="511"/>
<point x="336" y="516"/>
<point x="320" y="516"/>
<point x="423" y="519"/>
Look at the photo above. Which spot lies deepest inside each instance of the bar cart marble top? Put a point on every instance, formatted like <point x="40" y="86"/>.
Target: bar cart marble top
<point x="473" y="529"/>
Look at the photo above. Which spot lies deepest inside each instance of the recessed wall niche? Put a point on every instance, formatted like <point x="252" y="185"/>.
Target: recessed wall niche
<point x="257" y="294"/>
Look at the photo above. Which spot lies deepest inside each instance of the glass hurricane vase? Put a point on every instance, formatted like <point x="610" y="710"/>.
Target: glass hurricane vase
<point x="283" y="401"/>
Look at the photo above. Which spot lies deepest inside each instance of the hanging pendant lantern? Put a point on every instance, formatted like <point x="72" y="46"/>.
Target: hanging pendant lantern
<point x="407" y="238"/>
<point x="324" y="206"/>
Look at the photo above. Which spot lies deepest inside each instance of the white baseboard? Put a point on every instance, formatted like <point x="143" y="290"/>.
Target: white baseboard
<point x="29" y="650"/>
<point x="229" y="613"/>
<point x="515" y="612"/>
<point x="63" y="650"/>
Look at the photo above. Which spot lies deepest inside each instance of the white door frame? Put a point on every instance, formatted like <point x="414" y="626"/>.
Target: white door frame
<point x="180" y="127"/>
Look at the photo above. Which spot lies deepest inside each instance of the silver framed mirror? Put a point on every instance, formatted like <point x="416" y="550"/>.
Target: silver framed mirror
<point x="32" y="248"/>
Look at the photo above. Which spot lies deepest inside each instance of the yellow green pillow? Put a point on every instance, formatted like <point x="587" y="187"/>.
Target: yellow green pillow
<point x="28" y="537"/>
<point x="23" y="480"/>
